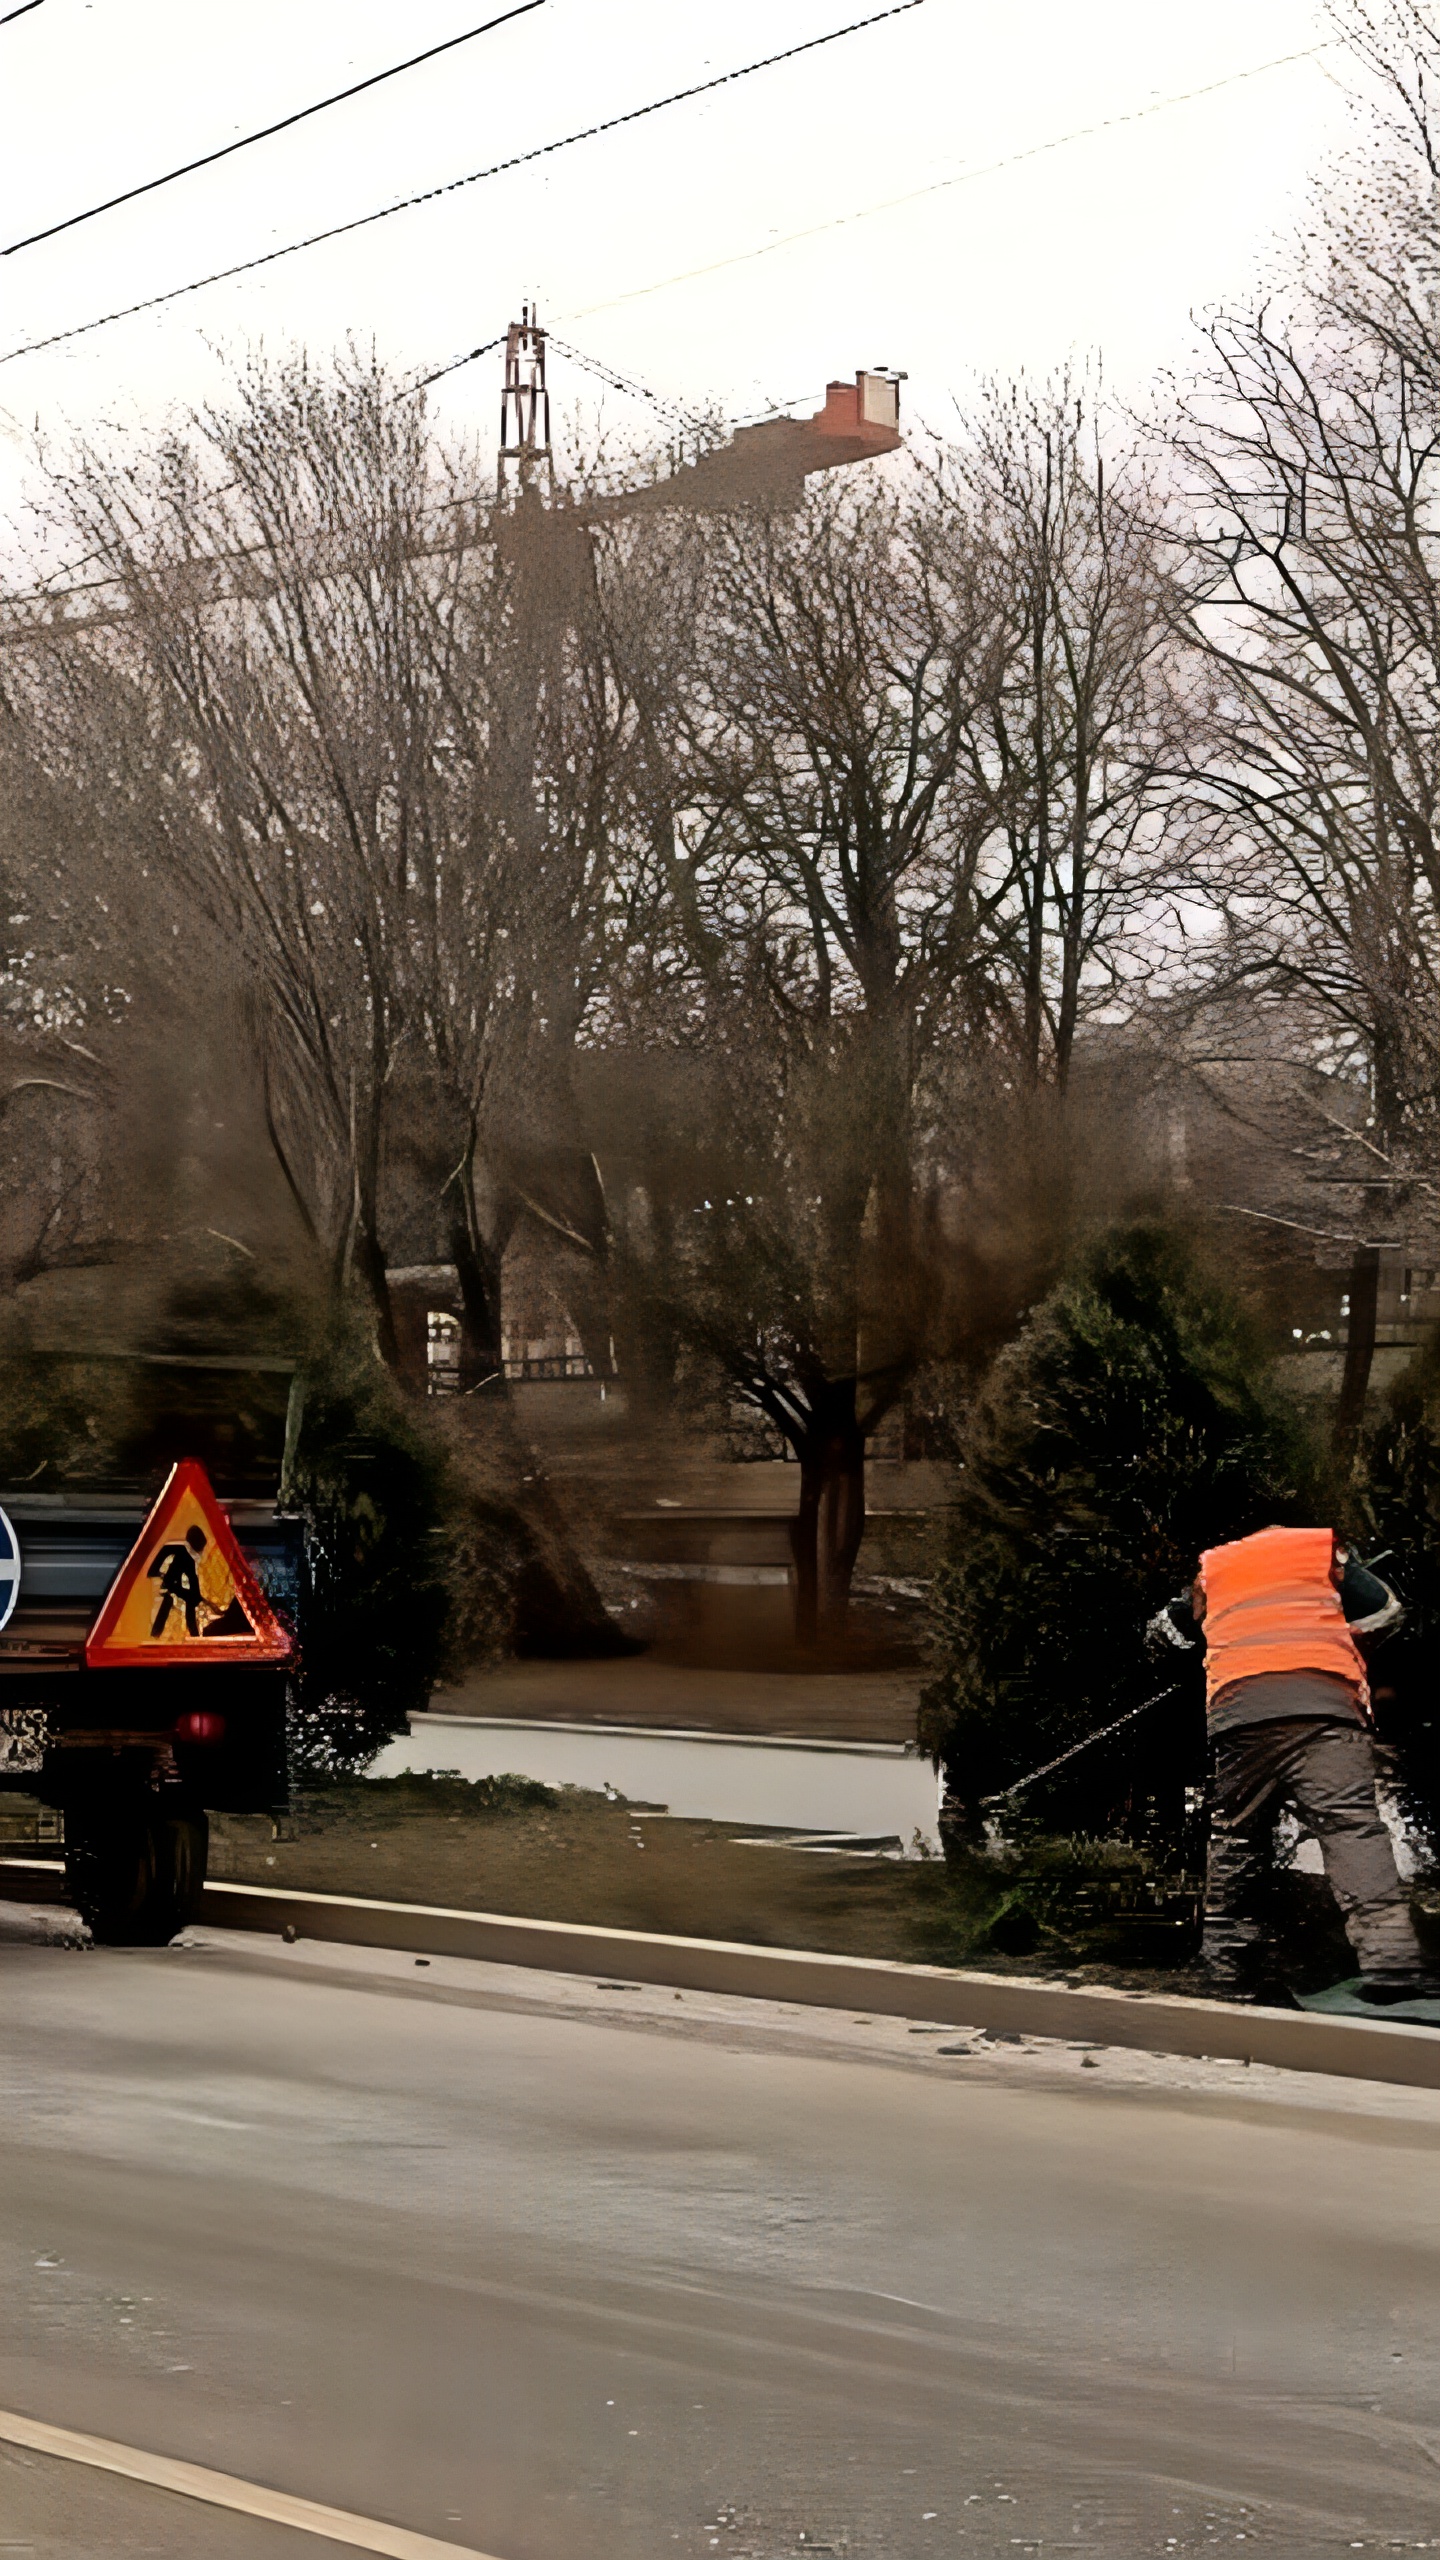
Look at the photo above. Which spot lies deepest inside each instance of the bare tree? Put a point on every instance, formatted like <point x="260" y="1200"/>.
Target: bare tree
<point x="1309" y="452"/>
<point x="1069" y="752"/>
<point x="259" y="695"/>
<point x="544" y="721"/>
<point x="66" y="1010"/>
<point x="296" y="690"/>
<point x="822" y="910"/>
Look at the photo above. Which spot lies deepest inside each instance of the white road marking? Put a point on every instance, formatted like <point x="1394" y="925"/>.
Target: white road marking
<point x="218" y="2489"/>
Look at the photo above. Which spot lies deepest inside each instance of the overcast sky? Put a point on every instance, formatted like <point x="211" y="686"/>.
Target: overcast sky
<point x="669" y="248"/>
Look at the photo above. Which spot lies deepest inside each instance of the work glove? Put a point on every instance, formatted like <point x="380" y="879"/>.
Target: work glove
<point x="1163" y="1638"/>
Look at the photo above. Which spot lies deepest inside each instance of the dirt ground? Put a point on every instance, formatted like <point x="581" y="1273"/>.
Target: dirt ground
<point x="570" y="1855"/>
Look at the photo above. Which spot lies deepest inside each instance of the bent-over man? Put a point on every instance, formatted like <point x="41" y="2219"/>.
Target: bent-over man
<point x="1288" y="1711"/>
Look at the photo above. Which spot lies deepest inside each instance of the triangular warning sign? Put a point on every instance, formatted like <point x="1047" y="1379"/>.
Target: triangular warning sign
<point x="185" y="1592"/>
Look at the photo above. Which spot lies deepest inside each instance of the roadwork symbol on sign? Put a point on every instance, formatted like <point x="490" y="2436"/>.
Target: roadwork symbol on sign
<point x="185" y="1592"/>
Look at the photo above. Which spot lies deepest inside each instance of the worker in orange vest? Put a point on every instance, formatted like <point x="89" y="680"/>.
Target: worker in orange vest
<point x="1281" y="1614"/>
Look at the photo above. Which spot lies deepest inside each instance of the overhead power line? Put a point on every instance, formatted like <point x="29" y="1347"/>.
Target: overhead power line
<point x="22" y="12"/>
<point x="961" y="178"/>
<point x="616" y="381"/>
<point x="406" y="204"/>
<point x="208" y="158"/>
<point x="592" y="364"/>
<point x="453" y="366"/>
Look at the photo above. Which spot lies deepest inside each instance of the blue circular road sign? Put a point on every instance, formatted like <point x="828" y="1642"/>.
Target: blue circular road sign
<point x="9" y="1569"/>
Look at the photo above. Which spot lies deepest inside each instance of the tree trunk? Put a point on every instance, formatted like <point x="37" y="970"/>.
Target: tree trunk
<point x="479" y="1282"/>
<point x="841" y="1528"/>
<point x="804" y="1551"/>
<point x="368" y="1261"/>
<point x="642" y="1304"/>
<point x="1359" y="1348"/>
<point x="361" y="1254"/>
<point x="829" y="1520"/>
<point x="479" y="1221"/>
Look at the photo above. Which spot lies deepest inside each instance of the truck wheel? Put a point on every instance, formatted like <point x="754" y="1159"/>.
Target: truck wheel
<point x="136" y="1872"/>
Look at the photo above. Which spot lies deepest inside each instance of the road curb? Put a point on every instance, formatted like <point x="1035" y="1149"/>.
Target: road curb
<point x="1294" y="2040"/>
<point x="1007" y="2004"/>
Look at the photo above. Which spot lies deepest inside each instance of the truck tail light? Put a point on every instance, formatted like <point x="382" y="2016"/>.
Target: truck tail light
<point x="200" y="1725"/>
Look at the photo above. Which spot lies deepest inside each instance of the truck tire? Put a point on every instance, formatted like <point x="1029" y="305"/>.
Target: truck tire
<point x="135" y="1872"/>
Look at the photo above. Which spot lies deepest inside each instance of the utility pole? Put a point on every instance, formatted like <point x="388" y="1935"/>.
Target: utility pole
<point x="524" y="407"/>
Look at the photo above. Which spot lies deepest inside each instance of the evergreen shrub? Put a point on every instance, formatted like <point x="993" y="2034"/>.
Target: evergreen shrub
<point x="1401" y="1497"/>
<point x="370" y="1484"/>
<point x="1131" y="1423"/>
<point x="427" y="1553"/>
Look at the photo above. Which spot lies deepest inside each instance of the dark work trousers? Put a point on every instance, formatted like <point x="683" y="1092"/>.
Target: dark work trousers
<point x="1326" y="1771"/>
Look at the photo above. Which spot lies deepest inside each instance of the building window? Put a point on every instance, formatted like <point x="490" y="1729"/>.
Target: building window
<point x="442" y="1353"/>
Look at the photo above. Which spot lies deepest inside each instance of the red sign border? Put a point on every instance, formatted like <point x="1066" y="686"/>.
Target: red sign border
<point x="271" y="1641"/>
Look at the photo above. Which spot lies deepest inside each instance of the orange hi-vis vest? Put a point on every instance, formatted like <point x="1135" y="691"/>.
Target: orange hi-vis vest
<point x="1271" y="1605"/>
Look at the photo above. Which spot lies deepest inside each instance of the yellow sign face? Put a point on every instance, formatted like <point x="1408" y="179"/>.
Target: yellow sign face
<point x="185" y="1592"/>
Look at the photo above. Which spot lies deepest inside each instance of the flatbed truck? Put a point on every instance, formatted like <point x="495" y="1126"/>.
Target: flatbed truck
<point x="135" y="1760"/>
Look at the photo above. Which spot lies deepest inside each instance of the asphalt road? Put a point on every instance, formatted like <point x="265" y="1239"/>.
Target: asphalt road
<point x="562" y="2273"/>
